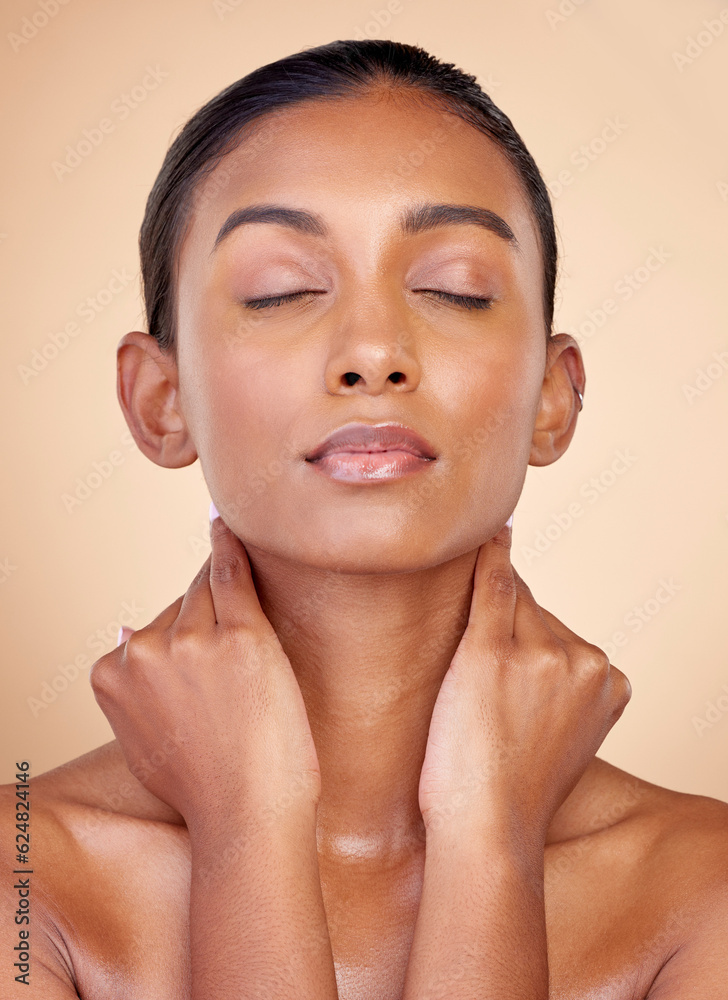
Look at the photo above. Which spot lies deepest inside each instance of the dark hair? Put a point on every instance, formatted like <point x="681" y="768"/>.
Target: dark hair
<point x="339" y="69"/>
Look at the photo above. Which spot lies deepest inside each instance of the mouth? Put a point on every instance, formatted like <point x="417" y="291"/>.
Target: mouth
<point x="359" y="452"/>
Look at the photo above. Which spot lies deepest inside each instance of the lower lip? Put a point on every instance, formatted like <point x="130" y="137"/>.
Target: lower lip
<point x="369" y="466"/>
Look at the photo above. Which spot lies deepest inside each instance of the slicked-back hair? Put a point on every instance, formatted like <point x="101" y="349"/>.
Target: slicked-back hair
<point x="339" y="69"/>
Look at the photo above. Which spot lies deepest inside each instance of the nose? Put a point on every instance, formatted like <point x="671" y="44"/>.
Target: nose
<point x="372" y="355"/>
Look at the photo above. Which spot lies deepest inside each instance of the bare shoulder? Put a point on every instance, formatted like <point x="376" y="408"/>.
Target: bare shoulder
<point x="74" y="806"/>
<point x="677" y="834"/>
<point x="684" y="850"/>
<point x="636" y="879"/>
<point x="85" y="820"/>
<point x="42" y="965"/>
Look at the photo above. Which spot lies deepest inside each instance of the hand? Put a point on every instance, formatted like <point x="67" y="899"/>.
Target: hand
<point x="521" y="711"/>
<point x="210" y="670"/>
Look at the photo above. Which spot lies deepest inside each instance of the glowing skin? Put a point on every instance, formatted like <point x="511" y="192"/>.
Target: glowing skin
<point x="368" y="586"/>
<point x="466" y="374"/>
<point x="384" y="568"/>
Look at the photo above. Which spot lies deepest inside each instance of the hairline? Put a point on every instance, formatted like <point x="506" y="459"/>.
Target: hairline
<point x="382" y="87"/>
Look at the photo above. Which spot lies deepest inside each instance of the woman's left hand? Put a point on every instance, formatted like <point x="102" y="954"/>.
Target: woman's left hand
<point x="521" y="711"/>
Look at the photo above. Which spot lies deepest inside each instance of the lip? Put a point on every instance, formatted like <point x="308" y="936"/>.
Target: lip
<point x="356" y="438"/>
<point x="359" y="452"/>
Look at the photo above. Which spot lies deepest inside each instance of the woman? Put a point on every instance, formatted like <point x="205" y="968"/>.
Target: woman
<point x="356" y="757"/>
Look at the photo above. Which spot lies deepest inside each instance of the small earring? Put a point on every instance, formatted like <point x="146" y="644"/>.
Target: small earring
<point x="581" y="400"/>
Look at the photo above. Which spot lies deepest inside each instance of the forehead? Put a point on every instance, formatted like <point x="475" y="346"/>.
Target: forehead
<point x="360" y="160"/>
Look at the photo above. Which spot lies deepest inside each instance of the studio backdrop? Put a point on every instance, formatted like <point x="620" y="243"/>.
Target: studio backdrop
<point x="625" y="538"/>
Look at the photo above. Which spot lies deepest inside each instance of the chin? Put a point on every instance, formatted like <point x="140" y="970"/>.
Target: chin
<point x="361" y="552"/>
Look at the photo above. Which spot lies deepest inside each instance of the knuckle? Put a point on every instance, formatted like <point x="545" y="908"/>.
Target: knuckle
<point x="553" y="658"/>
<point x="184" y="640"/>
<point x="141" y="647"/>
<point x="622" y="685"/>
<point x="593" y="663"/>
<point x="225" y="568"/>
<point x="501" y="582"/>
<point x="101" y="675"/>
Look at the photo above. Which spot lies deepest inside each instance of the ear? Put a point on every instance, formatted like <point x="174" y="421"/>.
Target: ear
<point x="147" y="388"/>
<point x="556" y="419"/>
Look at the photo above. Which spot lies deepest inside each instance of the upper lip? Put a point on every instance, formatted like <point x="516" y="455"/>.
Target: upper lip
<point x="359" y="437"/>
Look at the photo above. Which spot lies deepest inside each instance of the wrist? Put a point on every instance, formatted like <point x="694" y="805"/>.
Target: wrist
<point x="269" y="804"/>
<point x="249" y="818"/>
<point x="255" y="840"/>
<point x="487" y="832"/>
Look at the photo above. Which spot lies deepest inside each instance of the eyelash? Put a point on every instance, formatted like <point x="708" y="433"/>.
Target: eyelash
<point x="467" y="301"/>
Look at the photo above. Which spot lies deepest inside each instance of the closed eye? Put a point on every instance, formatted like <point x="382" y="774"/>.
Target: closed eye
<point x="467" y="301"/>
<point x="275" y="300"/>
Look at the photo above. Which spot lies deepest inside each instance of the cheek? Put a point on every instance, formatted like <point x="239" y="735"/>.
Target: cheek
<point x="239" y="429"/>
<point x="488" y="395"/>
<point x="492" y="416"/>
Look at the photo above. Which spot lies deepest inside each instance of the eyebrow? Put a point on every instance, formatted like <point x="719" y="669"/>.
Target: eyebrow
<point x="416" y="219"/>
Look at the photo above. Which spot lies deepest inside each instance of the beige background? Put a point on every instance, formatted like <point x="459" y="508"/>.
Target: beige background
<point x="562" y="71"/>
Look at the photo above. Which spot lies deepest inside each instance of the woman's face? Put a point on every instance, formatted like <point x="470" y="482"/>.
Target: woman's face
<point x="261" y="388"/>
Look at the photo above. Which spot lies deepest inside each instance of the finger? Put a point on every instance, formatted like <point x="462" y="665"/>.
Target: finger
<point x="619" y="688"/>
<point x="197" y="609"/>
<point x="530" y="624"/>
<point x="493" y="603"/>
<point x="555" y="624"/>
<point x="105" y="671"/>
<point x="162" y="622"/>
<point x="234" y="596"/>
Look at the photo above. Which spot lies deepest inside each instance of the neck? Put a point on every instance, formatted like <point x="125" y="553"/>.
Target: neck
<point x="369" y="653"/>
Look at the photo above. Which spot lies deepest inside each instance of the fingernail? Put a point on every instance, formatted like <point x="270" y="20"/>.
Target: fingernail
<point x="214" y="512"/>
<point x="124" y="633"/>
<point x="509" y="522"/>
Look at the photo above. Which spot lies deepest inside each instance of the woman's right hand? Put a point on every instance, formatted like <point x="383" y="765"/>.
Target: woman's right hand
<point x="210" y="670"/>
<point x="209" y="675"/>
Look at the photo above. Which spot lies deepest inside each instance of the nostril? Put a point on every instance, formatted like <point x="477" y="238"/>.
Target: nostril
<point x="351" y="377"/>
